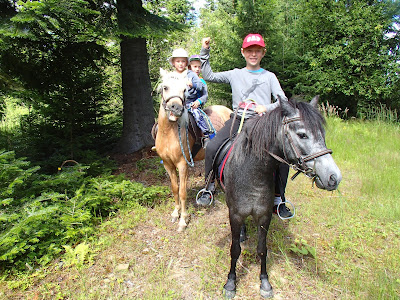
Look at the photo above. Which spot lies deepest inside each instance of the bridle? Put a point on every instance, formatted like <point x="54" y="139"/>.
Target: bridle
<point x="300" y="166"/>
<point x="165" y="101"/>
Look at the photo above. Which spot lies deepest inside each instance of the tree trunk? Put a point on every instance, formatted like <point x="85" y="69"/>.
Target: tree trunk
<point x="138" y="115"/>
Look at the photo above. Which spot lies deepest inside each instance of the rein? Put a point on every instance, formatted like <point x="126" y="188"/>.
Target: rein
<point x="191" y="163"/>
<point x="300" y="166"/>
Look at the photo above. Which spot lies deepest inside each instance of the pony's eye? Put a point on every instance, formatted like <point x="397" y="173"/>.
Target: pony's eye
<point x="302" y="135"/>
<point x="165" y="88"/>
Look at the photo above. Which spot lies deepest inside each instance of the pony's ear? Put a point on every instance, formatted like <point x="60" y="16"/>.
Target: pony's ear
<point x="286" y="106"/>
<point x="314" y="101"/>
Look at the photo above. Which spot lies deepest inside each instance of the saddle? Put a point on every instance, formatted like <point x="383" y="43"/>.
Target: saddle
<point x="220" y="158"/>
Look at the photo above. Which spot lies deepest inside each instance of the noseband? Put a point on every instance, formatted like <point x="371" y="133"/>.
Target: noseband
<point x="165" y="101"/>
<point x="300" y="166"/>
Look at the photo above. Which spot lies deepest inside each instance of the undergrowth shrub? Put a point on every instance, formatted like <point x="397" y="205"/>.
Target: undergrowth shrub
<point x="40" y="214"/>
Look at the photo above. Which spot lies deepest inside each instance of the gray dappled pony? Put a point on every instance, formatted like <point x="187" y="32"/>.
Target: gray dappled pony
<point x="292" y="132"/>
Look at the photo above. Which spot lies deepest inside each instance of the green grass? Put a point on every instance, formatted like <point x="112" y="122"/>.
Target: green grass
<point x="372" y="151"/>
<point x="360" y="223"/>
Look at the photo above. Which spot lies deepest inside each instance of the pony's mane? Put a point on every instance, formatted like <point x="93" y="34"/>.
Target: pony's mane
<point x="259" y="133"/>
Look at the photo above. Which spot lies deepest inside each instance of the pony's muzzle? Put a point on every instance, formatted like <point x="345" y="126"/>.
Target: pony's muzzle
<point x="331" y="184"/>
<point x="175" y="109"/>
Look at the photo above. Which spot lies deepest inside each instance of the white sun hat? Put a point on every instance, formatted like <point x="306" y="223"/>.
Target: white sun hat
<point x="180" y="52"/>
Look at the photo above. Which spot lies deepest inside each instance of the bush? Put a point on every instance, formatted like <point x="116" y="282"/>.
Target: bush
<point x="41" y="213"/>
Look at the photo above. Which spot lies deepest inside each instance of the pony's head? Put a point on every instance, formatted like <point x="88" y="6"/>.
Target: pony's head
<point x="295" y="132"/>
<point x="172" y="89"/>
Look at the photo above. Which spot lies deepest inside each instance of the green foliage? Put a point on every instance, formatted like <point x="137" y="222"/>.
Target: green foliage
<point x="346" y="51"/>
<point x="379" y="113"/>
<point x="57" y="51"/>
<point x="42" y="214"/>
<point x="151" y="166"/>
<point x="346" y="54"/>
<point x="77" y="256"/>
<point x="301" y="248"/>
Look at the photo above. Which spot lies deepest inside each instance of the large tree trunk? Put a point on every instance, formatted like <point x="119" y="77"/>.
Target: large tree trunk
<point x="138" y="115"/>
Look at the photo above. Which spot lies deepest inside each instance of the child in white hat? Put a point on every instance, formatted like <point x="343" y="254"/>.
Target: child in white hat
<point x="194" y="91"/>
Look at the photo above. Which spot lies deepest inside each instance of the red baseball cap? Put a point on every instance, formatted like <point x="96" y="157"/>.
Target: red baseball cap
<point x="253" y="39"/>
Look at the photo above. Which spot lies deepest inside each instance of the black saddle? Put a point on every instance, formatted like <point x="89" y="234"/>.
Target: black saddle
<point x="219" y="158"/>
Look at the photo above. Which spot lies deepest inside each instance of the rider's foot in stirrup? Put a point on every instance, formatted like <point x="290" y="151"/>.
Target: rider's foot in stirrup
<point x="207" y="138"/>
<point x="284" y="211"/>
<point x="205" y="198"/>
<point x="205" y="141"/>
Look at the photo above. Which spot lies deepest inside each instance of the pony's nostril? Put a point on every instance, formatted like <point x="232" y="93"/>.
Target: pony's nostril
<point x="332" y="180"/>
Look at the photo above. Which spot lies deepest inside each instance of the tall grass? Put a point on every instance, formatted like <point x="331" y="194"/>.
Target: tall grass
<point x="370" y="152"/>
<point x="361" y="221"/>
<point x="379" y="113"/>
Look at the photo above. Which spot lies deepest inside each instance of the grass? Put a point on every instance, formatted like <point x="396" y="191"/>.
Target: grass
<point x="353" y="233"/>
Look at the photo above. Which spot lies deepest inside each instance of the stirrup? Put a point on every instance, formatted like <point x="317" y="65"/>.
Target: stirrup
<point x="291" y="204"/>
<point x="201" y="192"/>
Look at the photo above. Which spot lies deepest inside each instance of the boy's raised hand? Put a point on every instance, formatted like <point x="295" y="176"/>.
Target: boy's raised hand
<point x="205" y="42"/>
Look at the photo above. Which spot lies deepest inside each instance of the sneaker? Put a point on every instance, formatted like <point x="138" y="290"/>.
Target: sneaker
<point x="207" y="138"/>
<point x="205" y="142"/>
<point x="205" y="199"/>
<point x="284" y="211"/>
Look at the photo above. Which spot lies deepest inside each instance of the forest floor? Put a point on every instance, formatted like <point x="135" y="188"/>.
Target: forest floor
<point x="149" y="259"/>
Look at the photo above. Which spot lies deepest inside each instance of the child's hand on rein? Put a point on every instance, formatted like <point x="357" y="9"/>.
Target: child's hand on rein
<point x="195" y="104"/>
<point x="260" y="109"/>
<point x="189" y="83"/>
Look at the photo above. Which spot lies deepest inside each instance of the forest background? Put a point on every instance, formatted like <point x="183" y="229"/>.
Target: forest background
<point x="78" y="81"/>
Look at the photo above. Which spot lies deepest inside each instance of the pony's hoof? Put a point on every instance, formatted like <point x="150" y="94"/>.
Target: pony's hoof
<point x="266" y="289"/>
<point x="174" y="219"/>
<point x="230" y="289"/>
<point x="181" y="228"/>
<point x="229" y="294"/>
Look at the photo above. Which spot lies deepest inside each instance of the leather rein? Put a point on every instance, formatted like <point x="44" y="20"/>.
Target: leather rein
<point x="300" y="166"/>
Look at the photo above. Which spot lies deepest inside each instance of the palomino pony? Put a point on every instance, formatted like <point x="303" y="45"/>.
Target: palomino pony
<point x="172" y="141"/>
<point x="292" y="133"/>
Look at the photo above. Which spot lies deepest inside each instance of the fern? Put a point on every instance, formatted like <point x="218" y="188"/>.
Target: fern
<point x="42" y="215"/>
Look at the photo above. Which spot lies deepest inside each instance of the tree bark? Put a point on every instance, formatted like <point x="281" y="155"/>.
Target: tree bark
<point x="138" y="114"/>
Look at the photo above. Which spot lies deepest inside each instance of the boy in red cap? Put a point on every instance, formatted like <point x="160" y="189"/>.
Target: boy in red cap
<point x="252" y="87"/>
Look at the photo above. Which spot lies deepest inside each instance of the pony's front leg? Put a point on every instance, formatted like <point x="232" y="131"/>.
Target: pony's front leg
<point x="183" y="177"/>
<point x="265" y="287"/>
<point x="230" y="285"/>
<point x="173" y="176"/>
